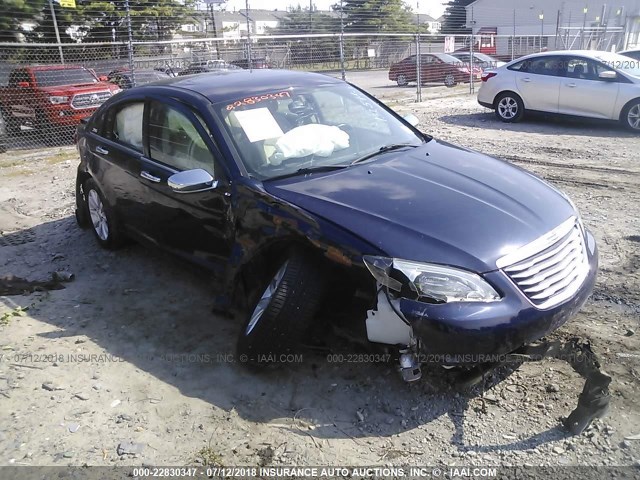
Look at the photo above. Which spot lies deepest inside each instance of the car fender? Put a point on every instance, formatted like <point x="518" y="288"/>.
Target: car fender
<point x="268" y="226"/>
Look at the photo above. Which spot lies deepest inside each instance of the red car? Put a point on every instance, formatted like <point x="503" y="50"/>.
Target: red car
<point x="434" y="68"/>
<point x="47" y="97"/>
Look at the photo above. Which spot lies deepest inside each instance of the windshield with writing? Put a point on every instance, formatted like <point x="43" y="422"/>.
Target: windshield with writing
<point x="278" y="133"/>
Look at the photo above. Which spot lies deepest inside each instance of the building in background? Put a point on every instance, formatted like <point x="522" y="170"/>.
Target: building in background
<point x="520" y="27"/>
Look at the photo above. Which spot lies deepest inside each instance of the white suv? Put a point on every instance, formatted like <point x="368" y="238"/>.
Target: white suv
<point x="591" y="84"/>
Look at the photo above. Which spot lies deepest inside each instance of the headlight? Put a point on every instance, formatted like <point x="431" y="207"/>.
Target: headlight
<point x="115" y="90"/>
<point x="58" y="99"/>
<point x="436" y="282"/>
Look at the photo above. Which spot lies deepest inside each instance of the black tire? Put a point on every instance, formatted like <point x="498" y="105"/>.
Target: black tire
<point x="11" y="125"/>
<point x="401" y="80"/>
<point x="286" y="316"/>
<point x="509" y="107"/>
<point x="102" y="220"/>
<point x="630" y="116"/>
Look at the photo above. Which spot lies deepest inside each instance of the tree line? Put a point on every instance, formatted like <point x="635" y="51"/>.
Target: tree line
<point x="155" y="20"/>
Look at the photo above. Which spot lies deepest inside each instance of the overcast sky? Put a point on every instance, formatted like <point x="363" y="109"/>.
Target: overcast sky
<point x="432" y="7"/>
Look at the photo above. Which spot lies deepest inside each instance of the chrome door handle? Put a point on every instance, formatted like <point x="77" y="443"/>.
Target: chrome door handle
<point x="526" y="80"/>
<point x="148" y="176"/>
<point x="102" y="151"/>
<point x="571" y="85"/>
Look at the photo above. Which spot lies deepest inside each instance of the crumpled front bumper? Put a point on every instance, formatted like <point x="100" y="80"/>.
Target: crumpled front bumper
<point x="471" y="333"/>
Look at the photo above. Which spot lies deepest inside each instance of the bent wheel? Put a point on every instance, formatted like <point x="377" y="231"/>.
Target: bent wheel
<point x="282" y="310"/>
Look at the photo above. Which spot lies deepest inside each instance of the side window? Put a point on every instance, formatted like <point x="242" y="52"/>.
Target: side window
<point x="18" y="76"/>
<point x="126" y="125"/>
<point x="520" y="66"/>
<point x="581" y="68"/>
<point x="550" y="66"/>
<point x="174" y="140"/>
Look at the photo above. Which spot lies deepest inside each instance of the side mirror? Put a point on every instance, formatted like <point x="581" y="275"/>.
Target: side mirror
<point x="24" y="84"/>
<point x="411" y="119"/>
<point x="608" y="75"/>
<point x="191" y="181"/>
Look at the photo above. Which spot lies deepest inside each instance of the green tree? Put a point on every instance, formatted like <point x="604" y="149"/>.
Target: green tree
<point x="377" y="16"/>
<point x="299" y="21"/>
<point x="14" y="13"/>
<point x="455" y="17"/>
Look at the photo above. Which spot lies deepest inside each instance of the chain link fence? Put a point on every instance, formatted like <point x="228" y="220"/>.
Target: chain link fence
<point x="53" y="74"/>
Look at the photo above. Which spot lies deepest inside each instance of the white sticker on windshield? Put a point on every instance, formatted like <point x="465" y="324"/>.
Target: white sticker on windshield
<point x="258" y="124"/>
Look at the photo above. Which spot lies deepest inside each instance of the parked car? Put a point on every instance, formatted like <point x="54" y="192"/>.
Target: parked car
<point x="255" y="63"/>
<point x="481" y="60"/>
<point x="170" y="70"/>
<point x="299" y="190"/>
<point x="635" y="54"/>
<point x="48" y="97"/>
<point x="435" y="67"/>
<point x="206" y="66"/>
<point x="593" y="84"/>
<point x="124" y="79"/>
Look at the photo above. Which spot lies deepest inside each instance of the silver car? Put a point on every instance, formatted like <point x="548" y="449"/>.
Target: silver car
<point x="592" y="84"/>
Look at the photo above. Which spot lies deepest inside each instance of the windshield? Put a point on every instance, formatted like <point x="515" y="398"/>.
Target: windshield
<point x="623" y="63"/>
<point x="55" y="78"/>
<point x="281" y="132"/>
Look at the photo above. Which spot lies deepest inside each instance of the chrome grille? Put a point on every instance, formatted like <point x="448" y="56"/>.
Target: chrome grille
<point x="552" y="268"/>
<point x="88" y="100"/>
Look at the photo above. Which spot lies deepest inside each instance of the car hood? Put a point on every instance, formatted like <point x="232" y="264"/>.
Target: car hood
<point x="76" y="89"/>
<point x="435" y="203"/>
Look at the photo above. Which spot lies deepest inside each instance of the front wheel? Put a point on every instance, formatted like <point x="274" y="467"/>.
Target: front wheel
<point x="284" y="311"/>
<point x="402" y="80"/>
<point x="102" y="217"/>
<point x="509" y="107"/>
<point x="630" y="117"/>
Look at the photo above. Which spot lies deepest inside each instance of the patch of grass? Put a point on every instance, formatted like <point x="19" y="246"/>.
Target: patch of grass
<point x="210" y="457"/>
<point x="6" y="317"/>
<point x="62" y="157"/>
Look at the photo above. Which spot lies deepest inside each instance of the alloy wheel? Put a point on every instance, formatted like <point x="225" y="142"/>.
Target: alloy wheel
<point x="508" y="107"/>
<point x="633" y="117"/>
<point x="265" y="299"/>
<point x="98" y="215"/>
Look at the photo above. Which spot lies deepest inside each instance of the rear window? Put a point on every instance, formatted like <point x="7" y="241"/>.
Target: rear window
<point x="54" y="78"/>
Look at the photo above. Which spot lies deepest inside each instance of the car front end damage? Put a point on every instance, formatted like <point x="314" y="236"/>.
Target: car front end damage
<point x="445" y="316"/>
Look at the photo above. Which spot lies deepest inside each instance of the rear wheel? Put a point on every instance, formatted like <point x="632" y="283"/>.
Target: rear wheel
<point x="509" y="107"/>
<point x="630" y="117"/>
<point x="450" y="80"/>
<point x="102" y="217"/>
<point x="282" y="310"/>
<point x="402" y="80"/>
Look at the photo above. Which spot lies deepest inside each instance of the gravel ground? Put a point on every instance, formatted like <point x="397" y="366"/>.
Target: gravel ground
<point x="127" y="365"/>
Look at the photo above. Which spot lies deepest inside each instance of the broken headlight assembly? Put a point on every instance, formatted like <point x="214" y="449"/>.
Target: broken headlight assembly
<point x="429" y="282"/>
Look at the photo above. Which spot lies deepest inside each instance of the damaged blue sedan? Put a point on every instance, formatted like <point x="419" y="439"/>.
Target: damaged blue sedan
<point x="302" y="194"/>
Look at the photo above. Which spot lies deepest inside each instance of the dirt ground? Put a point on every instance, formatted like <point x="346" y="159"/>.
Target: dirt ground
<point x="127" y="364"/>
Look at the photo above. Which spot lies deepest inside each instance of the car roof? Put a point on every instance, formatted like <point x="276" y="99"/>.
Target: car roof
<point x="225" y="85"/>
<point x="53" y="67"/>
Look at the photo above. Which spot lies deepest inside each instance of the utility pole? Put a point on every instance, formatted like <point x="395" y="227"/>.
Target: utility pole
<point x="55" y="27"/>
<point x="214" y="30"/>
<point x="584" y="25"/>
<point x="248" y="36"/>
<point x="130" y="33"/>
<point x="342" y="42"/>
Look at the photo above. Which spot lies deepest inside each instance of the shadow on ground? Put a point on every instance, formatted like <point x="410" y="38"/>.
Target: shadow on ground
<point x="154" y="312"/>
